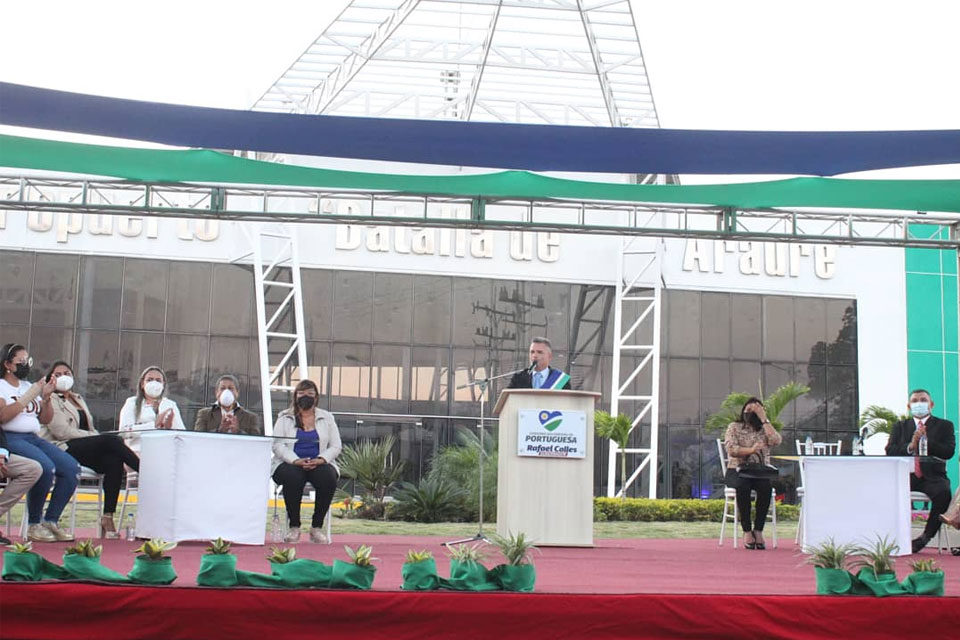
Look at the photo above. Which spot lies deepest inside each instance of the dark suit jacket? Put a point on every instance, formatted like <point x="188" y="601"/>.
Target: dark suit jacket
<point x="941" y="443"/>
<point x="524" y="380"/>
<point x="208" y="419"/>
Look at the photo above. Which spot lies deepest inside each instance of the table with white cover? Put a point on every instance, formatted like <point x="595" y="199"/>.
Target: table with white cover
<point x="853" y="499"/>
<point x="200" y="486"/>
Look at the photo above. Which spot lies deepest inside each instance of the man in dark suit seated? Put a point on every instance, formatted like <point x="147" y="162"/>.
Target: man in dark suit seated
<point x="930" y="473"/>
<point x="540" y="375"/>
<point x="226" y="415"/>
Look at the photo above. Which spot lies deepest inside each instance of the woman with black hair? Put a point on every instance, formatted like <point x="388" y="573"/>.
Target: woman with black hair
<point x="305" y="448"/>
<point x="750" y="440"/>
<point x="71" y="427"/>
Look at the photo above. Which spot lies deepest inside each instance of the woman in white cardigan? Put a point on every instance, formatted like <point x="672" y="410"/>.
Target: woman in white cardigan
<point x="305" y="449"/>
<point x="149" y="409"/>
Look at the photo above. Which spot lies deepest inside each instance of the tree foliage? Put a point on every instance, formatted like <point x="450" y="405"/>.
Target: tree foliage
<point x="774" y="404"/>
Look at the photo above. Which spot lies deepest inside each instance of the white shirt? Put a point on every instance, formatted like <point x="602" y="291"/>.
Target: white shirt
<point x="146" y="419"/>
<point x="28" y="420"/>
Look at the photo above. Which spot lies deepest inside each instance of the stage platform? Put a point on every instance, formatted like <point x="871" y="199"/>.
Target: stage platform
<point x="618" y="589"/>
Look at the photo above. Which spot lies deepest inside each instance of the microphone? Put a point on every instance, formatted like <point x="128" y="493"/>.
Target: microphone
<point x="533" y="365"/>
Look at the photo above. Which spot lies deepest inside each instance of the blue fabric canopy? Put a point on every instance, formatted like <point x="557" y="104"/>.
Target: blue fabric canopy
<point x="480" y="144"/>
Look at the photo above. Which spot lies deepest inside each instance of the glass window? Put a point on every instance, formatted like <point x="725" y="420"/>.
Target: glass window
<point x="234" y="300"/>
<point x="144" y="294"/>
<point x="18" y="334"/>
<point x="429" y="383"/>
<point x="778" y="319"/>
<point x="318" y="357"/>
<point x="714" y="384"/>
<point x="228" y="356"/>
<point x="185" y="365"/>
<point x="683" y="323"/>
<point x="105" y="414"/>
<point x="95" y="364"/>
<point x="842" y="330"/>
<point x="138" y="350"/>
<point x="47" y="345"/>
<point x="431" y="310"/>
<point x="842" y="398"/>
<point x="775" y="375"/>
<point x="470" y="365"/>
<point x="716" y="325"/>
<point x="188" y="308"/>
<point x="745" y="326"/>
<point x="350" y="377"/>
<point x="352" y="312"/>
<point x="317" y="302"/>
<point x="390" y="379"/>
<point x="811" y="339"/>
<point x="683" y="405"/>
<point x="274" y="296"/>
<point x="745" y="377"/>
<point x="55" y="290"/>
<point x="101" y="282"/>
<point x="392" y="310"/>
<point x="474" y="320"/>
<point x="15" y="294"/>
<point x="683" y="461"/>
<point x="253" y="393"/>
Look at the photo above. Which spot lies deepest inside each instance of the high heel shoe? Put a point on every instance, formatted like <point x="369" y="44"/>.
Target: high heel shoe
<point x="760" y="544"/>
<point x="955" y="523"/>
<point x="107" y="528"/>
<point x="753" y="541"/>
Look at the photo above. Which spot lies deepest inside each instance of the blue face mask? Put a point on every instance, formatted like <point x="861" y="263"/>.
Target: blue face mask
<point x="920" y="409"/>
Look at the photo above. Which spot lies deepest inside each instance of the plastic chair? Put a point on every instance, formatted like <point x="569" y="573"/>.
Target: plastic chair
<point x="926" y="505"/>
<point x="308" y="490"/>
<point x="730" y="503"/>
<point x="90" y="482"/>
<point x="133" y="480"/>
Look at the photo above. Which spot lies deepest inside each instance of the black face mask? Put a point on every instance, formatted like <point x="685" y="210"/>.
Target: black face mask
<point x="306" y="402"/>
<point x="754" y="420"/>
<point x="22" y="370"/>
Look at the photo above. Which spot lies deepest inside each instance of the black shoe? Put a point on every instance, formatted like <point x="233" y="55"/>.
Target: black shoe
<point x="749" y="545"/>
<point x="5" y="540"/>
<point x="920" y="543"/>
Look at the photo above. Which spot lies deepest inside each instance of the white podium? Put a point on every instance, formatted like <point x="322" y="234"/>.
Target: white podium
<point x="545" y="470"/>
<point x="853" y="499"/>
<point x="198" y="486"/>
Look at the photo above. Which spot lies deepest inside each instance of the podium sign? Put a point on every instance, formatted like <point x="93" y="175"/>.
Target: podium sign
<point x="546" y="433"/>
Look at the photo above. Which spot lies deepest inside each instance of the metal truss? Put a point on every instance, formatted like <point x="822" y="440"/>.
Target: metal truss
<point x="280" y="204"/>
<point x="540" y="61"/>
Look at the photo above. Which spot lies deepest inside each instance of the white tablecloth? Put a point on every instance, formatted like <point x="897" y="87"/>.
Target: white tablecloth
<point x="853" y="499"/>
<point x="198" y="486"/>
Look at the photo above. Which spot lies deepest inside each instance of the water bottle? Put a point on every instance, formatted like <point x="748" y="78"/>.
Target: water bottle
<point x="922" y="449"/>
<point x="130" y="532"/>
<point x="808" y="446"/>
<point x="276" y="529"/>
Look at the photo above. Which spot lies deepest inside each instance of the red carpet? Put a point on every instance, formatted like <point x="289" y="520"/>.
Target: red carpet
<point x="620" y="589"/>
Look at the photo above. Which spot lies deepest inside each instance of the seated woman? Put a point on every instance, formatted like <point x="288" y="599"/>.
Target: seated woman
<point x="149" y="409"/>
<point x="70" y="427"/>
<point x="305" y="450"/>
<point x="751" y="436"/>
<point x="22" y="407"/>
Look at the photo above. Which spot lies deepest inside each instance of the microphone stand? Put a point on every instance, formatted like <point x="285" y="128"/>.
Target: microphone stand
<point x="482" y="385"/>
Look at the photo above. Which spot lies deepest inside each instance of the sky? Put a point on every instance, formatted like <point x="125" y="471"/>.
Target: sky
<point x="812" y="65"/>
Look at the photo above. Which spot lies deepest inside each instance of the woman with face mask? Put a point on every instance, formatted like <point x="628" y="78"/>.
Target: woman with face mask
<point x="71" y="427"/>
<point x="305" y="449"/>
<point x="149" y="409"/>
<point x="23" y="406"/>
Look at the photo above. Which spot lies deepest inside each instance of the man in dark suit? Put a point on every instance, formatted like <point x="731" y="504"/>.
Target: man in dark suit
<point x="930" y="473"/>
<point x="540" y="375"/>
<point x="226" y="415"/>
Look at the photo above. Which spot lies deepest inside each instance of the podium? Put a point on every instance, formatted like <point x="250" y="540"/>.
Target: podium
<point x="545" y="470"/>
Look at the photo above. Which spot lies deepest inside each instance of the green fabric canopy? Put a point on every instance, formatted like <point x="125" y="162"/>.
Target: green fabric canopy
<point x="203" y="166"/>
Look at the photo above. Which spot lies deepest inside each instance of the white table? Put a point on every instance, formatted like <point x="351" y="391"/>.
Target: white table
<point x="853" y="499"/>
<point x="198" y="486"/>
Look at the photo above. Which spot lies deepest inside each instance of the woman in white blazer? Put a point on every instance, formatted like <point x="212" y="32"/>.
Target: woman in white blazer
<point x="149" y="409"/>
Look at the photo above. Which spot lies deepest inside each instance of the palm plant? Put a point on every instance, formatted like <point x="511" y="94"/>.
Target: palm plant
<point x="431" y="501"/>
<point x="458" y="464"/>
<point x="465" y="553"/>
<point x="370" y="464"/>
<point x="617" y="430"/>
<point x="517" y="549"/>
<point x="879" y="419"/>
<point x="773" y="404"/>
<point x="877" y="556"/>
<point x="829" y="555"/>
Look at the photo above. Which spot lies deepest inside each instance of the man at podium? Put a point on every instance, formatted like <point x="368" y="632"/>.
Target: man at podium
<point x="540" y="375"/>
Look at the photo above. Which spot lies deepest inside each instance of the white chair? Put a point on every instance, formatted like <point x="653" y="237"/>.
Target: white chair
<point x="90" y="483"/>
<point x="133" y="480"/>
<point x="730" y="503"/>
<point x="308" y="490"/>
<point x="925" y="506"/>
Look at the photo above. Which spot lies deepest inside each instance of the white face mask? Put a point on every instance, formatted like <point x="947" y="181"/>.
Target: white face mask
<point x="64" y="383"/>
<point x="153" y="389"/>
<point x="919" y="409"/>
<point x="227" y="398"/>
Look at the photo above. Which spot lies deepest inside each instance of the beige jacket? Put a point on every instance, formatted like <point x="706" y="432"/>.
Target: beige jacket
<point x="285" y="436"/>
<point x="65" y="424"/>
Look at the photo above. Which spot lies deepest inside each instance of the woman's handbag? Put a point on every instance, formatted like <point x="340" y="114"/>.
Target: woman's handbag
<point x="757" y="469"/>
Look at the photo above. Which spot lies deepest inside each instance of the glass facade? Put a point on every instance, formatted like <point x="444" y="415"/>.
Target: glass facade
<point x="395" y="353"/>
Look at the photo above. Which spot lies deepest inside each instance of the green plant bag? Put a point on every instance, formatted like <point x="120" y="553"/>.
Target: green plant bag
<point x="515" y="577"/>
<point x="30" y="567"/>
<point x="469" y="576"/>
<point x="347" y="575"/>
<point x="883" y="585"/>
<point x="253" y="579"/>
<point x="147" y="571"/>
<point x="924" y="583"/>
<point x="420" y="576"/>
<point x="217" y="570"/>
<point x="84" y="568"/>
<point x="301" y="573"/>
<point x="835" y="582"/>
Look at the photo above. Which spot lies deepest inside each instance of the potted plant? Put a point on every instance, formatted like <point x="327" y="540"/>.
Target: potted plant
<point x="467" y="572"/>
<point x="82" y="561"/>
<point x="151" y="566"/>
<point x="218" y="567"/>
<point x="356" y="574"/>
<point x="297" y="572"/>
<point x="774" y="404"/>
<point x="518" y="574"/>
<point x="829" y="562"/>
<point x="926" y="579"/>
<point x="876" y="565"/>
<point x="617" y="430"/>
<point x="419" y="572"/>
<point x="22" y="564"/>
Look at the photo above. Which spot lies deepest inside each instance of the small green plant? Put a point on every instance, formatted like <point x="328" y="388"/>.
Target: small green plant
<point x="218" y="547"/>
<point x="467" y="553"/>
<point x="371" y="465"/>
<point x="433" y="500"/>
<point x="85" y="549"/>
<point x="282" y="556"/>
<point x="927" y="565"/>
<point x="418" y="556"/>
<point x="517" y="549"/>
<point x="880" y="419"/>
<point x="155" y="548"/>
<point x="877" y="556"/>
<point x="21" y="547"/>
<point x="774" y="404"/>
<point x="360" y="557"/>
<point x="829" y="555"/>
<point x="617" y="430"/>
